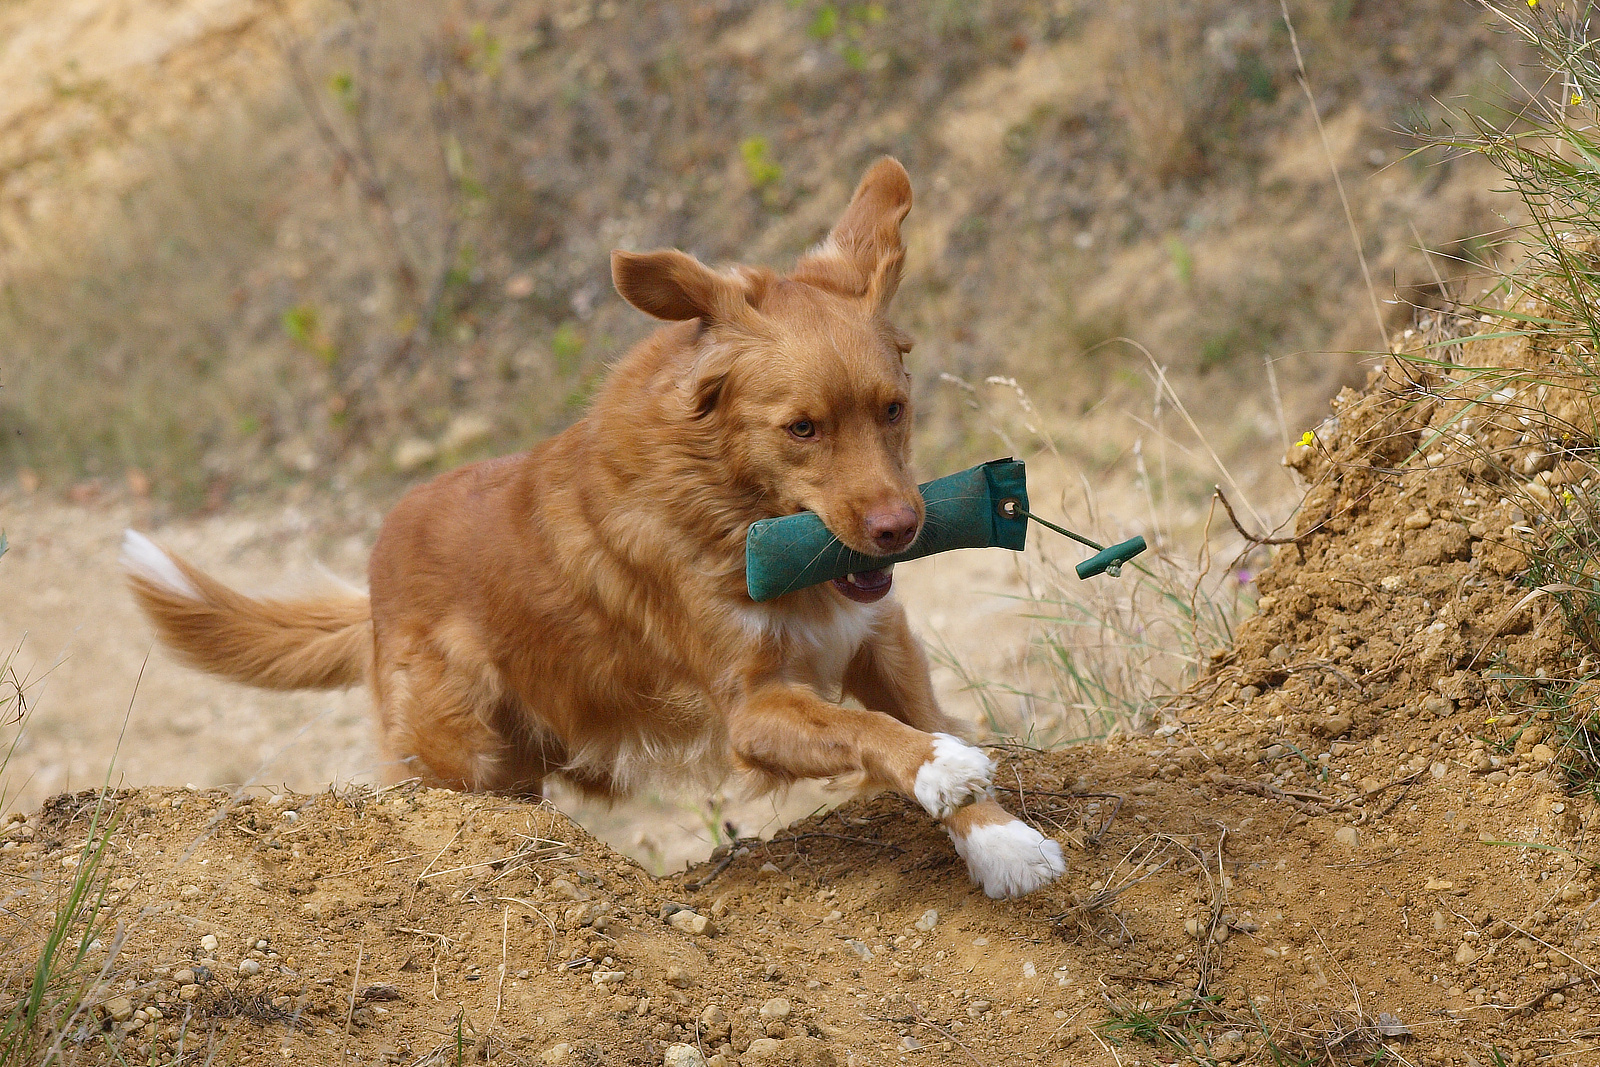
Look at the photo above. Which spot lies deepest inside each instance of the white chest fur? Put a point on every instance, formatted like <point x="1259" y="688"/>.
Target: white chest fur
<point x="817" y="644"/>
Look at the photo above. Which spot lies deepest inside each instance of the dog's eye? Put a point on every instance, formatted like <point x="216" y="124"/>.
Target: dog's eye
<point x="895" y="410"/>
<point x="803" y="429"/>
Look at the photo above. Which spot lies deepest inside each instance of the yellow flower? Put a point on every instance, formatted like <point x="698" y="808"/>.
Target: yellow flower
<point x="1533" y="3"/>
<point x="1308" y="439"/>
<point x="1490" y="721"/>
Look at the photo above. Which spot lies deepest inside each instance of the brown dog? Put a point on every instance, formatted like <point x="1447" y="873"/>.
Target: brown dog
<point x="580" y="609"/>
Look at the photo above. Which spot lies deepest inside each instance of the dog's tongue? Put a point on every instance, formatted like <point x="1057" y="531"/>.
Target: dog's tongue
<point x="866" y="586"/>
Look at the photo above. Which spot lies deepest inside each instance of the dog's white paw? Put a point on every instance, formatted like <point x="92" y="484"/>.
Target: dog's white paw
<point x="1010" y="859"/>
<point x="955" y="775"/>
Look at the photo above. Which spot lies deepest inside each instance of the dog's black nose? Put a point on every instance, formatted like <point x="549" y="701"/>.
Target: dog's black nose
<point x="892" y="528"/>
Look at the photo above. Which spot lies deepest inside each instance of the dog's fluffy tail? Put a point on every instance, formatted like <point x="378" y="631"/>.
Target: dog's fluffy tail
<point x="314" y="642"/>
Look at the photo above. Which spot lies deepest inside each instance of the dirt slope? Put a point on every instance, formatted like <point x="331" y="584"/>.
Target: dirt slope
<point x="1353" y="832"/>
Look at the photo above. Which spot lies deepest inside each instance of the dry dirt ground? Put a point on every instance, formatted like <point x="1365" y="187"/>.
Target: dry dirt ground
<point x="1351" y="842"/>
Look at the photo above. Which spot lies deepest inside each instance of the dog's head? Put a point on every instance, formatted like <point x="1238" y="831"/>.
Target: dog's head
<point x="801" y="380"/>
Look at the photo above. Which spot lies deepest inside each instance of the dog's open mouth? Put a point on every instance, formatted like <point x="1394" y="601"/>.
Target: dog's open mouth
<point x="864" y="587"/>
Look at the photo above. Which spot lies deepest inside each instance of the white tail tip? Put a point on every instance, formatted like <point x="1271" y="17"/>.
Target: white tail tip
<point x="143" y="558"/>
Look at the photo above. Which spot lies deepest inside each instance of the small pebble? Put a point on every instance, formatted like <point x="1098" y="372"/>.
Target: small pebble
<point x="693" y="923"/>
<point x="928" y="921"/>
<point x="1347" y="836"/>
<point x="775" y="1010"/>
<point x="683" y="1056"/>
<point x="1335" y="725"/>
<point x="249" y="967"/>
<point x="209" y="943"/>
<point x="1229" y="1047"/>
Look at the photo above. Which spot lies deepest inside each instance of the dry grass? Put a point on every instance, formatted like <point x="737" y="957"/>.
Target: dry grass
<point x="126" y="333"/>
<point x="415" y="226"/>
<point x="1107" y="652"/>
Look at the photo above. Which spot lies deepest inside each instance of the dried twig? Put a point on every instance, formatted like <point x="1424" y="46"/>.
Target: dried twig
<point x="1253" y="538"/>
<point x="355" y="982"/>
<point x="920" y="1019"/>
<point x="1310" y="803"/>
<point x="358" y="161"/>
<point x="1529" y="1007"/>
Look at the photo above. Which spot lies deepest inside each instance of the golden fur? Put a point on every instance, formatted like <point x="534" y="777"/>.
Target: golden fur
<point x="580" y="609"/>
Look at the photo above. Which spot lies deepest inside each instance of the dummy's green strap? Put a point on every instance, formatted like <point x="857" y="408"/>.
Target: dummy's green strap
<point x="965" y="510"/>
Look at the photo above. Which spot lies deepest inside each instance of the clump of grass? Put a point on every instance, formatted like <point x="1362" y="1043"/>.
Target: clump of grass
<point x="50" y="933"/>
<point x="49" y="975"/>
<point x="1197" y="1028"/>
<point x="1575" y="732"/>
<point x="1177" y="1026"/>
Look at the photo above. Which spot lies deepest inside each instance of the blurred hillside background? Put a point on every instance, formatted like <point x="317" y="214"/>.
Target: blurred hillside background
<point x="265" y="263"/>
<point x="280" y="245"/>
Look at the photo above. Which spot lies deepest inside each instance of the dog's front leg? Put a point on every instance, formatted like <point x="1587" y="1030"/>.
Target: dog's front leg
<point x="1004" y="855"/>
<point x="890" y="674"/>
<point x="789" y="732"/>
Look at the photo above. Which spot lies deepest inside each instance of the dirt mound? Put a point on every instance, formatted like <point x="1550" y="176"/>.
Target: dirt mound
<point x="1354" y="833"/>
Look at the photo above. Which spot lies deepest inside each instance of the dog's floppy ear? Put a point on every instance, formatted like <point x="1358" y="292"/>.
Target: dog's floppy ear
<point x="864" y="254"/>
<point x="673" y="285"/>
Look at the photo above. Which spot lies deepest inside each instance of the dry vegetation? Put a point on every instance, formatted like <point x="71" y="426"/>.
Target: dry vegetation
<point x="380" y="233"/>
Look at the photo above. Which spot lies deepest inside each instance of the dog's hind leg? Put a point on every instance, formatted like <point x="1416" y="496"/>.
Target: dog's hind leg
<point x="440" y="722"/>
